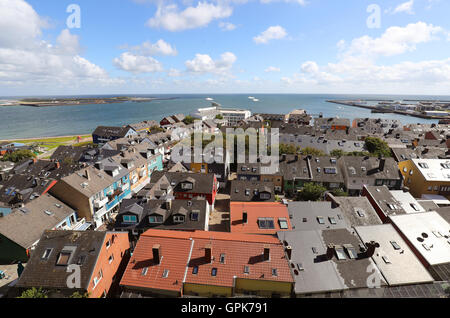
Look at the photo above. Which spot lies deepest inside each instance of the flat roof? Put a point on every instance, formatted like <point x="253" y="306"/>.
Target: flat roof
<point x="426" y="232"/>
<point x="404" y="267"/>
<point x="433" y="169"/>
<point x="309" y="215"/>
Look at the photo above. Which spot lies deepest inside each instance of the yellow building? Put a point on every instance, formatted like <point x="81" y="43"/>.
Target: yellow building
<point x="426" y="176"/>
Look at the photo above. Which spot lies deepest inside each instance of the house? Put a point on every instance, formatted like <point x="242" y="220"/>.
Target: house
<point x="389" y="202"/>
<point x="325" y="171"/>
<point x="330" y="262"/>
<point x="377" y="125"/>
<point x="247" y="191"/>
<point x="402" y="154"/>
<point x="21" y="229"/>
<point x="426" y="176"/>
<point x="427" y="235"/>
<point x="103" y="134"/>
<point x="187" y="186"/>
<point x="8" y="147"/>
<point x="357" y="211"/>
<point x="249" y="171"/>
<point x="394" y="258"/>
<point x="171" y="120"/>
<point x="145" y="126"/>
<point x="207" y="264"/>
<point x="371" y="171"/>
<point x="259" y="217"/>
<point x="92" y="192"/>
<point x="137" y="215"/>
<point x="100" y="257"/>
<point x="307" y="215"/>
<point x="295" y="173"/>
<point x="332" y="123"/>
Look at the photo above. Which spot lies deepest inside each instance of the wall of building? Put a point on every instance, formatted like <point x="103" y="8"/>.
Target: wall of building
<point x="263" y="288"/>
<point x="207" y="290"/>
<point x="73" y="198"/>
<point x="11" y="252"/>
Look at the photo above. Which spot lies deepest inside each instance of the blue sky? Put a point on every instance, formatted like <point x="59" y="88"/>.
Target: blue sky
<point x="224" y="46"/>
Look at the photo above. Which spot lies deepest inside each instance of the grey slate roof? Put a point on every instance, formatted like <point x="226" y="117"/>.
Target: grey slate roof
<point x="306" y="215"/>
<point x="357" y="210"/>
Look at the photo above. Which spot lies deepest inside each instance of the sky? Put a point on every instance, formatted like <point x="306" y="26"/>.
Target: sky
<point x="75" y="47"/>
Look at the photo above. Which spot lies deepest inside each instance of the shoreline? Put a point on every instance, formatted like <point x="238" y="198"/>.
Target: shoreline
<point x="83" y="136"/>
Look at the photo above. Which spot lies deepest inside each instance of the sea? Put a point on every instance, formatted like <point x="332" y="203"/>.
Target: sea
<point x="18" y="122"/>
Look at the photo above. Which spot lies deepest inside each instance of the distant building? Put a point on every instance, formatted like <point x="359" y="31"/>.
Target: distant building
<point x="103" y="134"/>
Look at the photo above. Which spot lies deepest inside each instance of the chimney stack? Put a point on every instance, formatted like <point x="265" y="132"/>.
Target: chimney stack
<point x="289" y="252"/>
<point x="156" y="253"/>
<point x="244" y="217"/>
<point x="371" y="248"/>
<point x="208" y="253"/>
<point x="382" y="163"/>
<point x="266" y="253"/>
<point x="330" y="251"/>
<point x="86" y="174"/>
<point x="168" y="204"/>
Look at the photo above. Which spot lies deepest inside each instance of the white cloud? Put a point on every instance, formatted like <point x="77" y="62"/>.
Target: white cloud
<point x="272" y="69"/>
<point x="161" y="47"/>
<point x="227" y="26"/>
<point x="272" y="33"/>
<point x="405" y="7"/>
<point x="174" y="73"/>
<point x="395" y="40"/>
<point x="300" y="2"/>
<point x="203" y="63"/>
<point x="170" y="18"/>
<point x="137" y="64"/>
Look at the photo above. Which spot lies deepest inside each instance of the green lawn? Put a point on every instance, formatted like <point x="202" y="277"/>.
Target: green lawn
<point x="50" y="140"/>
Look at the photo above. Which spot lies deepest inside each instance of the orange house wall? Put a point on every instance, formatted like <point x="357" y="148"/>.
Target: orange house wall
<point x="118" y="248"/>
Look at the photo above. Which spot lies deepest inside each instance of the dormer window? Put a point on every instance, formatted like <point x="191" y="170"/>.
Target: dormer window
<point x="423" y="165"/>
<point x="194" y="216"/>
<point x="187" y="186"/>
<point x="129" y="219"/>
<point x="63" y="258"/>
<point x="155" y="219"/>
<point x="178" y="219"/>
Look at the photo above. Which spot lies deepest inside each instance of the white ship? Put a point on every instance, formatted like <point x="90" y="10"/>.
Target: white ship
<point x="209" y="99"/>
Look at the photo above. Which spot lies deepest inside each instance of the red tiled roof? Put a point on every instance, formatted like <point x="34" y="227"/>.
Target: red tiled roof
<point x="256" y="210"/>
<point x="175" y="256"/>
<point x="239" y="249"/>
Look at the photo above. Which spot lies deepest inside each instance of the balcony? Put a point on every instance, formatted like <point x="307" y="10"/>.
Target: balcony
<point x="100" y="203"/>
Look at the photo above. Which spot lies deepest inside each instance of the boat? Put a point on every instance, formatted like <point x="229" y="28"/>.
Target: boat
<point x="255" y="100"/>
<point x="251" y="97"/>
<point x="209" y="99"/>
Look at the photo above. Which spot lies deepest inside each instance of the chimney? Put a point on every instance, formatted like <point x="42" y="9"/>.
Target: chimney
<point x="208" y="253"/>
<point x="330" y="251"/>
<point x="86" y="174"/>
<point x="371" y="248"/>
<point x="296" y="158"/>
<point x="266" y="253"/>
<point x="168" y="204"/>
<point x="156" y="253"/>
<point x="283" y="157"/>
<point x="57" y="165"/>
<point x="289" y="252"/>
<point x="244" y="217"/>
<point x="382" y="163"/>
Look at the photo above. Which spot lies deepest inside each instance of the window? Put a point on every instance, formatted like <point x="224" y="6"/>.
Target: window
<point x="178" y="219"/>
<point x="111" y="259"/>
<point x="300" y="267"/>
<point x="165" y="273"/>
<point x="194" y="216"/>
<point x="195" y="270"/>
<point x="81" y="260"/>
<point x="108" y="244"/>
<point x="340" y="253"/>
<point x="156" y="219"/>
<point x="360" y="213"/>
<point x="386" y="260"/>
<point x="187" y="186"/>
<point x="321" y="220"/>
<point x="423" y="165"/>
<point x="330" y="170"/>
<point x="98" y="278"/>
<point x="445" y="165"/>
<point x="314" y="250"/>
<point x="63" y="258"/>
<point x="395" y="245"/>
<point x="274" y="272"/>
<point x="47" y="253"/>
<point x="332" y="220"/>
<point x="222" y="258"/>
<point x="246" y="270"/>
<point x="214" y="272"/>
<point x="144" y="271"/>
<point x="351" y="251"/>
<point x="414" y="206"/>
<point x="266" y="223"/>
<point x="283" y="224"/>
<point x="129" y="219"/>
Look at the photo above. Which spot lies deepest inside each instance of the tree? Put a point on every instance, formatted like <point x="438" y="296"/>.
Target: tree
<point x="188" y="120"/>
<point x="34" y="293"/>
<point x="311" y="192"/>
<point x="289" y="149"/>
<point x="339" y="192"/>
<point x="79" y="295"/>
<point x="337" y="153"/>
<point x="377" y="147"/>
<point x="18" y="155"/>
<point x="219" y="116"/>
<point x="312" y="151"/>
